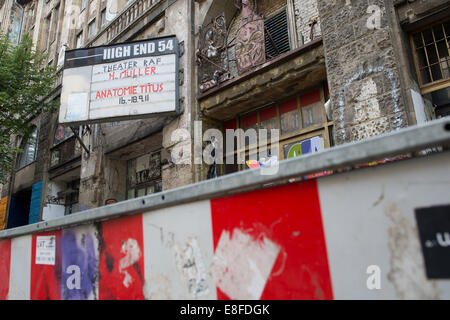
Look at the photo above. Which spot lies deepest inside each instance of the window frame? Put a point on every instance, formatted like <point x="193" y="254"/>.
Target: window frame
<point x="93" y="21"/>
<point x="56" y="11"/>
<point x="24" y="145"/>
<point x="80" y="36"/>
<point x="288" y="30"/>
<point x="72" y="200"/>
<point x="324" y="128"/>
<point x="434" y="85"/>
<point x="48" y="25"/>
<point x="138" y="186"/>
<point x="103" y="21"/>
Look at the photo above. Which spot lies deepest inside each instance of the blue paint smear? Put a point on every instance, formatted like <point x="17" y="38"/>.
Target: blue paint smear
<point x="306" y="146"/>
<point x="35" y="205"/>
<point x="84" y="257"/>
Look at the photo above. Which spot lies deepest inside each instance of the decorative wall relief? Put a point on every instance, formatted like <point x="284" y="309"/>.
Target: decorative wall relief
<point x="212" y="56"/>
<point x="250" y="47"/>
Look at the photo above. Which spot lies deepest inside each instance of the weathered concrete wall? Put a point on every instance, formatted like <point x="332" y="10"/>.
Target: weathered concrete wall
<point x="362" y="67"/>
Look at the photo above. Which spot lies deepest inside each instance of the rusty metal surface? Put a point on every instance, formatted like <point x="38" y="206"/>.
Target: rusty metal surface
<point x="212" y="54"/>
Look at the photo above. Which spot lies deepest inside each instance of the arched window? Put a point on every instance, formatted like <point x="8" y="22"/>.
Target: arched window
<point x="29" y="147"/>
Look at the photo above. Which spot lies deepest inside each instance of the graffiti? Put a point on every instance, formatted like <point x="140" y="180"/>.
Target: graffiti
<point x="132" y="255"/>
<point x="361" y="74"/>
<point x="212" y="55"/>
<point x="190" y="265"/>
<point x="53" y="200"/>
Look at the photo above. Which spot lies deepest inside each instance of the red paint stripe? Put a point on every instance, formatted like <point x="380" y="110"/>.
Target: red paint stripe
<point x="46" y="279"/>
<point x="288" y="106"/>
<point x="114" y="236"/>
<point x="249" y="120"/>
<point x="5" y="265"/>
<point x="310" y="98"/>
<point x="231" y="124"/>
<point x="268" y="113"/>
<point x="289" y="216"/>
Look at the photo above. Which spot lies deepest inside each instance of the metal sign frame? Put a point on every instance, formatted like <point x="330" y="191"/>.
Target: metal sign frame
<point x="92" y="56"/>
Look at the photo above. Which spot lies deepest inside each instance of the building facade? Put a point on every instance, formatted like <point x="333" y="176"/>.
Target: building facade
<point x="320" y="72"/>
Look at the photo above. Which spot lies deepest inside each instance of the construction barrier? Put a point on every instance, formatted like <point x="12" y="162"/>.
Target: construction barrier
<point x="381" y="232"/>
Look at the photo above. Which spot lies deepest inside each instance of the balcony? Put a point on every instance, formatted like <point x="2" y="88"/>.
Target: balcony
<point x="277" y="79"/>
<point x="128" y="17"/>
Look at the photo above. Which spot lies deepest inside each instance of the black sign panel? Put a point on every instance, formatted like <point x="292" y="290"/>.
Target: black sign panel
<point x="434" y="232"/>
<point x="104" y="54"/>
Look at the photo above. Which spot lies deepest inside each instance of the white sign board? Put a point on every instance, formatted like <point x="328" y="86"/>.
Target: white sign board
<point x="45" y="250"/>
<point x="125" y="81"/>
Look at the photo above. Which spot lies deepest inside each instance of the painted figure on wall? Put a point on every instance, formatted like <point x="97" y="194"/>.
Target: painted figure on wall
<point x="249" y="49"/>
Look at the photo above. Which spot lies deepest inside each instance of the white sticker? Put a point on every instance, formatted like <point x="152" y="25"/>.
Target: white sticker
<point x="45" y="250"/>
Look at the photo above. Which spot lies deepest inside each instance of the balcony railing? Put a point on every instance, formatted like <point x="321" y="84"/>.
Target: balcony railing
<point x="131" y="14"/>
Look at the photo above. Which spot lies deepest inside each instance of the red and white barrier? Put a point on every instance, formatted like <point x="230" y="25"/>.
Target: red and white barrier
<point x="328" y="238"/>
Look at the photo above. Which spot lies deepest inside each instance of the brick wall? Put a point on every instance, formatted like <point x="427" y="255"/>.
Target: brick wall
<point x="305" y="11"/>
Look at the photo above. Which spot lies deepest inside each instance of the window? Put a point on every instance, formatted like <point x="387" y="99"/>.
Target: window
<point x="55" y="23"/>
<point x="62" y="133"/>
<point x="302" y="122"/>
<point x="29" y="147"/>
<point x="83" y="4"/>
<point x="71" y="197"/>
<point x="79" y="43"/>
<point x="47" y="30"/>
<point x="431" y="55"/>
<point x="144" y="175"/>
<point x="103" y="17"/>
<point x="432" y="61"/>
<point x="276" y="34"/>
<point x="91" y="28"/>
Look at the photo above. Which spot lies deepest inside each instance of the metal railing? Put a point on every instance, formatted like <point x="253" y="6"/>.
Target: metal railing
<point x="407" y="140"/>
<point x="131" y="14"/>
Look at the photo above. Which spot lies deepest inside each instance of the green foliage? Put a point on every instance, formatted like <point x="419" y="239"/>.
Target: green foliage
<point x="24" y="83"/>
